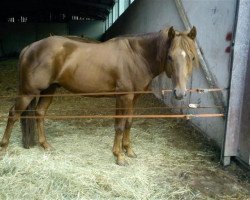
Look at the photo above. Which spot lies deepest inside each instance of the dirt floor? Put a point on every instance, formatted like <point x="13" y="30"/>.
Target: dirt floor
<point x="174" y="160"/>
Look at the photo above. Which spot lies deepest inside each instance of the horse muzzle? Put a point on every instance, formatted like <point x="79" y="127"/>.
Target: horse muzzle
<point x="179" y="94"/>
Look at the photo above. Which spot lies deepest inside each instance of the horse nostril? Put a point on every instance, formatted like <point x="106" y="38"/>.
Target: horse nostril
<point x="179" y="94"/>
<point x="175" y="93"/>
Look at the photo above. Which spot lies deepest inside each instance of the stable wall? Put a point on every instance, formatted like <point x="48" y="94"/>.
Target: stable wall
<point x="213" y="19"/>
<point x="15" y="36"/>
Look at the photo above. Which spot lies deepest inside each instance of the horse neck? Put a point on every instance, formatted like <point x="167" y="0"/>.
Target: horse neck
<point x="147" y="47"/>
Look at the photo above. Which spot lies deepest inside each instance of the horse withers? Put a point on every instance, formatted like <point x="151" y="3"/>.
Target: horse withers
<point x="122" y="64"/>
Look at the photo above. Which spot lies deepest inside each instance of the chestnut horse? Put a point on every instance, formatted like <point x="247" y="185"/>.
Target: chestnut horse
<point x="123" y="64"/>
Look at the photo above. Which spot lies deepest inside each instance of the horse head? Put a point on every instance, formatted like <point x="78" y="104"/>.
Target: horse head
<point x="180" y="58"/>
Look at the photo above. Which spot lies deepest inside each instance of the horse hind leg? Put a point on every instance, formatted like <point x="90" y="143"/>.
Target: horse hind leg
<point x="42" y="106"/>
<point x="20" y="106"/>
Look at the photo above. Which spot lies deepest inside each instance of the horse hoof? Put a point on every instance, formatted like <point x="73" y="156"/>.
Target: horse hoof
<point x="47" y="146"/>
<point x="130" y="153"/>
<point x="3" y="151"/>
<point x="26" y="146"/>
<point x="3" y="144"/>
<point x="3" y="147"/>
<point x="122" y="162"/>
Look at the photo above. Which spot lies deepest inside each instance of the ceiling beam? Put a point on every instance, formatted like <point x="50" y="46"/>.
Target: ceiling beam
<point x="96" y="9"/>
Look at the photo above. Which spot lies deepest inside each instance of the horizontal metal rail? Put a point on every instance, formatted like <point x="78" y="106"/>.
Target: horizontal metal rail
<point x="65" y="117"/>
<point x="136" y="108"/>
<point x="197" y="90"/>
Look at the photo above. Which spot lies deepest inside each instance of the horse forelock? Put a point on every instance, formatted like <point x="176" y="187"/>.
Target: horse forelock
<point x="183" y="42"/>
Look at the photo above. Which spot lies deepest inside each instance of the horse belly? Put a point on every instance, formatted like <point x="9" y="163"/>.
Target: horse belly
<point x="87" y="80"/>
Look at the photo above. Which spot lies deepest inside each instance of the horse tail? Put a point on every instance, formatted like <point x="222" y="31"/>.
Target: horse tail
<point x="27" y="124"/>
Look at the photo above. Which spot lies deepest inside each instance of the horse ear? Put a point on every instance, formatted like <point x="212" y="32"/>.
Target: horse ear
<point x="192" y="33"/>
<point x="171" y="33"/>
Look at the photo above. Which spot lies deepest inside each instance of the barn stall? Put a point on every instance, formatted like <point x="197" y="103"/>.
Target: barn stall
<point x="177" y="159"/>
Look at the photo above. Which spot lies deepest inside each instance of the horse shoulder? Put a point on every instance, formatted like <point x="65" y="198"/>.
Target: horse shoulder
<point x="131" y="66"/>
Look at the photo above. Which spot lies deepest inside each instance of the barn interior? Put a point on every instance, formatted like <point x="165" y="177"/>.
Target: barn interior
<point x="176" y="159"/>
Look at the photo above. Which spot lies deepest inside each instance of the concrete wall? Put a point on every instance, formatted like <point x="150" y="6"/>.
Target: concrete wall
<point x="15" y="36"/>
<point x="213" y="19"/>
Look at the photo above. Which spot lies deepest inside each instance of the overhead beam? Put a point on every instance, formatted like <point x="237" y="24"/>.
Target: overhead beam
<point x="96" y="9"/>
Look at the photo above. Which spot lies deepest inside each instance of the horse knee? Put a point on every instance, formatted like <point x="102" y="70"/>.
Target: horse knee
<point x="119" y="128"/>
<point x="128" y="97"/>
<point x="128" y="124"/>
<point x="40" y="113"/>
<point x="13" y="115"/>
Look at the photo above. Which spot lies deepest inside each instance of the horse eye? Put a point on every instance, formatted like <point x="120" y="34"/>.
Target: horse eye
<point x="169" y="58"/>
<point x="193" y="58"/>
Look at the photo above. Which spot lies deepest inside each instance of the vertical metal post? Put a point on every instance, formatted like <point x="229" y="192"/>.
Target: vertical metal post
<point x="239" y="66"/>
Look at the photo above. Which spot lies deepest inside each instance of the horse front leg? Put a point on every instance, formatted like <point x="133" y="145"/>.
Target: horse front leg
<point x="126" y="141"/>
<point x="117" y="148"/>
<point x="122" y="103"/>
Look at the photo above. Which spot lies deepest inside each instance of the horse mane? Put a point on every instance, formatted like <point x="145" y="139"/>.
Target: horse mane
<point x="136" y="36"/>
<point x="81" y="39"/>
<point x="163" y="45"/>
